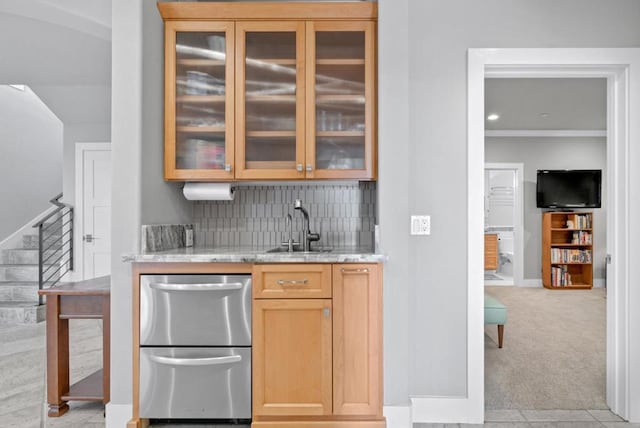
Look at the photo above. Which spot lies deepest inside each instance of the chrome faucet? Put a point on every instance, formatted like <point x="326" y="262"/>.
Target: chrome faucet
<point x="307" y="236"/>
<point x="290" y="243"/>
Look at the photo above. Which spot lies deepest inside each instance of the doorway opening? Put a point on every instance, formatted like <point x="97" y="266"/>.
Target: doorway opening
<point x="503" y="221"/>
<point x="614" y="65"/>
<point x="556" y="337"/>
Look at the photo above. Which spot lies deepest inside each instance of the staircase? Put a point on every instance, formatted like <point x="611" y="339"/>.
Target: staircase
<point x="19" y="284"/>
<point x="25" y="270"/>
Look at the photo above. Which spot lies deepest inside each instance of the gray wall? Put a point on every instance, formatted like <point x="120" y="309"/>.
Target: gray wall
<point x="422" y="143"/>
<point x="162" y="202"/>
<point x="31" y="160"/>
<point x="549" y="153"/>
<point x="440" y="33"/>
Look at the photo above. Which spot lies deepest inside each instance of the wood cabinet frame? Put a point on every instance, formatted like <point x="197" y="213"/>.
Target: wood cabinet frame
<point x="171" y="172"/>
<point x="354" y="358"/>
<point x="236" y="19"/>
<point x="368" y="27"/>
<point x="242" y="171"/>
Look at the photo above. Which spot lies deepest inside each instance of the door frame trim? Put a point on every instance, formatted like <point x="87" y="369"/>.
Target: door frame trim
<point x="619" y="66"/>
<point x="78" y="249"/>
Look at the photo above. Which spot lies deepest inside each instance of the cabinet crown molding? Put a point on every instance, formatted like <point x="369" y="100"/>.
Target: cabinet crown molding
<point x="269" y="10"/>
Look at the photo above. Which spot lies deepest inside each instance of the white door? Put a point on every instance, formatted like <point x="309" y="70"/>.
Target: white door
<point x="93" y="186"/>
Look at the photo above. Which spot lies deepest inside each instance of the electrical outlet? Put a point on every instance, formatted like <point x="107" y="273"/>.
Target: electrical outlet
<point x="188" y="237"/>
<point x="421" y="225"/>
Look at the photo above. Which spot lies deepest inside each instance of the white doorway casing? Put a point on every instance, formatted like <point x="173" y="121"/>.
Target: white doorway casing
<point x="93" y="209"/>
<point x="518" y="217"/>
<point x="621" y="68"/>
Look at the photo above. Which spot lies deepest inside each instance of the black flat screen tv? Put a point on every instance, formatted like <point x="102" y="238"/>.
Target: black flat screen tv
<point x="569" y="188"/>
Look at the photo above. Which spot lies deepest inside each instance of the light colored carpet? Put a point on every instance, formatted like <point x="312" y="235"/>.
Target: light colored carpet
<point x="554" y="350"/>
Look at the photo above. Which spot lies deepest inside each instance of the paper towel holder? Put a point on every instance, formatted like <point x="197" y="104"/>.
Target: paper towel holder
<point x="208" y="191"/>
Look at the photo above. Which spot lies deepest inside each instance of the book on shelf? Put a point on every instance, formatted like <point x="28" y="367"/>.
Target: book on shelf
<point x="582" y="221"/>
<point x="563" y="255"/>
<point x="582" y="238"/>
<point x="560" y="276"/>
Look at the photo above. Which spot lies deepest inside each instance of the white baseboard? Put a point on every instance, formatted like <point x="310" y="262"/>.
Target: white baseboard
<point x="118" y="415"/>
<point x="536" y="282"/>
<point x="598" y="282"/>
<point x="397" y="416"/>
<point x="443" y="410"/>
<point x="498" y="283"/>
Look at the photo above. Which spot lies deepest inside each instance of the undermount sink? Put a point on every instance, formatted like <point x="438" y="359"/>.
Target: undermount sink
<point x="299" y="250"/>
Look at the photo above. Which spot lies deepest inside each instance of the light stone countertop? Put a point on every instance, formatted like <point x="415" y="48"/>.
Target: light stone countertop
<point x="254" y="255"/>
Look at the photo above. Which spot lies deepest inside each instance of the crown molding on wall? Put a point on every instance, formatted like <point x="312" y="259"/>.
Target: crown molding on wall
<point x="545" y="133"/>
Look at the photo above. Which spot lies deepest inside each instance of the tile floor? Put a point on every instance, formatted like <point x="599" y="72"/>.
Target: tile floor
<point x="543" y="419"/>
<point x="22" y="388"/>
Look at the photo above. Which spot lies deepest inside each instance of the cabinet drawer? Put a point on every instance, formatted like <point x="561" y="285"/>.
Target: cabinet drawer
<point x="292" y="281"/>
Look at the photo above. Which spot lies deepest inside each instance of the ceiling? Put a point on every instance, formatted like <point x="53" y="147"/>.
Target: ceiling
<point x="546" y="104"/>
<point x="61" y="49"/>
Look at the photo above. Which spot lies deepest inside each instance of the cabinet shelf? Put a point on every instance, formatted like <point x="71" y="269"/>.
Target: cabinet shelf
<point x="352" y="99"/>
<point x="271" y="98"/>
<point x="341" y="134"/>
<point x="200" y="99"/>
<point x="564" y="229"/>
<point x="348" y="61"/>
<point x="573" y="286"/>
<point x="271" y="134"/>
<point x="274" y="61"/>
<point x="200" y="129"/>
<point x="201" y="62"/>
<point x="557" y="244"/>
<point x="570" y="263"/>
<point x="270" y="164"/>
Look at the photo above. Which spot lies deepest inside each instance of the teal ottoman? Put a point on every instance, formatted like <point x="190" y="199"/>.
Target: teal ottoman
<point x="495" y="313"/>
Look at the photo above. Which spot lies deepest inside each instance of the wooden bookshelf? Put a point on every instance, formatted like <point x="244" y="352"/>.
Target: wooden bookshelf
<point x="567" y="250"/>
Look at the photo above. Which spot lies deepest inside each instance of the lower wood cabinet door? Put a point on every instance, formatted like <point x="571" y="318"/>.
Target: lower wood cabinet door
<point x="357" y="344"/>
<point x="292" y="373"/>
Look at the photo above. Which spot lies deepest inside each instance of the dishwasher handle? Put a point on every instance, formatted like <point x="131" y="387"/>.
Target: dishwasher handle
<point x="186" y="362"/>
<point x="163" y="286"/>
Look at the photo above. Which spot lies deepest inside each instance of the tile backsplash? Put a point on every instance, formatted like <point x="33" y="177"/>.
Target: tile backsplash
<point x="343" y="214"/>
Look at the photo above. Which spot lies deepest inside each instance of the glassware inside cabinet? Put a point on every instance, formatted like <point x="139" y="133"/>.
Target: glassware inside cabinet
<point x="200" y="101"/>
<point x="270" y="100"/>
<point x="340" y="89"/>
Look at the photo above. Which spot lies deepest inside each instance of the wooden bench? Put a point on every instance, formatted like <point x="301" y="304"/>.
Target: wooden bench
<point x="88" y="299"/>
<point x="495" y="313"/>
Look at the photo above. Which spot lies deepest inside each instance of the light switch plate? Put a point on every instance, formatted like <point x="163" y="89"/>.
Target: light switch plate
<point x="421" y="225"/>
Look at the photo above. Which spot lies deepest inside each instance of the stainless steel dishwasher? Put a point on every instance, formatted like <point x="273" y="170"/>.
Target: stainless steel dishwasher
<point x="195" y="347"/>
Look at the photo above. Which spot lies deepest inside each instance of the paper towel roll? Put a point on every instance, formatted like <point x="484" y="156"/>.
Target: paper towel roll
<point x="208" y="191"/>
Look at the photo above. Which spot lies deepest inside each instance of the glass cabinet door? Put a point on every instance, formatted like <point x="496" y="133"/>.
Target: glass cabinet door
<point x="340" y="133"/>
<point x="270" y="96"/>
<point x="199" y="101"/>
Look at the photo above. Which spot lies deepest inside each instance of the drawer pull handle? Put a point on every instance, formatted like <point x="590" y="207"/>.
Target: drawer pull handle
<point x="284" y="282"/>
<point x="230" y="286"/>
<point x="363" y="270"/>
<point x="210" y="361"/>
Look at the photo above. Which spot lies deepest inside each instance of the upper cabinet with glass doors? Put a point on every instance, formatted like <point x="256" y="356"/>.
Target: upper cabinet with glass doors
<point x="340" y="100"/>
<point x="258" y="91"/>
<point x="199" y="100"/>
